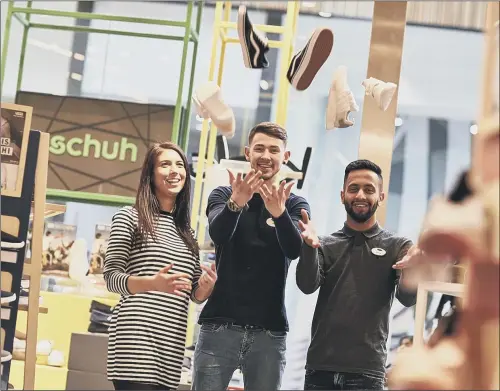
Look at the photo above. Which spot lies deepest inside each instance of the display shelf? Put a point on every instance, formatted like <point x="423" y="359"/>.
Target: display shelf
<point x="22" y="307"/>
<point x="24" y="210"/>
<point x="51" y="210"/>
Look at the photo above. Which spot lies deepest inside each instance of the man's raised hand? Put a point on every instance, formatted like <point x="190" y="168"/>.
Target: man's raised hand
<point x="243" y="189"/>
<point x="308" y="232"/>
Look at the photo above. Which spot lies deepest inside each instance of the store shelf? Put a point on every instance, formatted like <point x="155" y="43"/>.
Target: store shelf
<point x="51" y="210"/>
<point x="41" y="310"/>
<point x="5" y="313"/>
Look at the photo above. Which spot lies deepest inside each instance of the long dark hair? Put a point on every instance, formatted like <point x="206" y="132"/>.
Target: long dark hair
<point x="148" y="206"/>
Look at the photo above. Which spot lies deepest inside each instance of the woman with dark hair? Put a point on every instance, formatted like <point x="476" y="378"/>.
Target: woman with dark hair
<point x="152" y="260"/>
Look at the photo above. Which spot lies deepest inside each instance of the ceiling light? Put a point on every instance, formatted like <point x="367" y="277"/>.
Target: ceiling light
<point x="398" y="121"/>
<point x="473" y="129"/>
<point x="325" y="14"/>
<point x="264" y="85"/>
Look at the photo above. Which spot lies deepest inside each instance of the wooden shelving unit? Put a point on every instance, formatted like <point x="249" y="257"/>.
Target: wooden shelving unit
<point x="29" y="208"/>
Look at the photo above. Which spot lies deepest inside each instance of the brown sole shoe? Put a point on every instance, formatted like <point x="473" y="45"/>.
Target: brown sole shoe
<point x="306" y="63"/>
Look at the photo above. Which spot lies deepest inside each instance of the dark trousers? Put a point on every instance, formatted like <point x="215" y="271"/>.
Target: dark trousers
<point x="128" y="385"/>
<point x="326" y="380"/>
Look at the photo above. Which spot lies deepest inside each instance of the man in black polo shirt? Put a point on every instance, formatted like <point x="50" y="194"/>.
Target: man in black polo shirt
<point x="254" y="225"/>
<point x="354" y="268"/>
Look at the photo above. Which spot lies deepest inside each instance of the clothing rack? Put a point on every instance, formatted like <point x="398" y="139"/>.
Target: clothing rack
<point x="18" y="213"/>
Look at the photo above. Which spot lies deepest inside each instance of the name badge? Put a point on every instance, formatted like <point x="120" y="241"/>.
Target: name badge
<point x="379" y="252"/>
<point x="270" y="222"/>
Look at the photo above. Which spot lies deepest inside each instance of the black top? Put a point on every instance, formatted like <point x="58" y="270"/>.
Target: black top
<point x="351" y="319"/>
<point x="253" y="253"/>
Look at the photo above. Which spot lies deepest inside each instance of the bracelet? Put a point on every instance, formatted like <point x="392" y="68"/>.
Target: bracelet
<point x="233" y="206"/>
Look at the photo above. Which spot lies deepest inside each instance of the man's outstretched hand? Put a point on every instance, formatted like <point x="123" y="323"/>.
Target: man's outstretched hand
<point x="308" y="232"/>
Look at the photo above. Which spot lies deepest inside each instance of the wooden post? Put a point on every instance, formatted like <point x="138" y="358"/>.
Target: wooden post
<point x="384" y="63"/>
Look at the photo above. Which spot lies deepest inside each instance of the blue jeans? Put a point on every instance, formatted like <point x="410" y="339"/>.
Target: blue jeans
<point x="222" y="348"/>
<point x="326" y="380"/>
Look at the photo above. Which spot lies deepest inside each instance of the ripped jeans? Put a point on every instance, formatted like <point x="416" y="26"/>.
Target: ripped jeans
<point x="222" y="348"/>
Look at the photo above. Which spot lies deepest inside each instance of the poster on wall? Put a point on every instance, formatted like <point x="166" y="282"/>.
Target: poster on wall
<point x="58" y="239"/>
<point x="15" y="128"/>
<point x="99" y="247"/>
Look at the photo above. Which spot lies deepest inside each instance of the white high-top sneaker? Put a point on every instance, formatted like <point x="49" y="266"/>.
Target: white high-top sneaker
<point x="340" y="101"/>
<point x="381" y="91"/>
<point x="209" y="98"/>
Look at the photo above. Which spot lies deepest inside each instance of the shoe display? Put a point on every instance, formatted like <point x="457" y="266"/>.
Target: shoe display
<point x="307" y="62"/>
<point x="340" y="101"/>
<point x="254" y="46"/>
<point x="209" y="98"/>
<point x="7" y="297"/>
<point x="6" y="356"/>
<point x="381" y="91"/>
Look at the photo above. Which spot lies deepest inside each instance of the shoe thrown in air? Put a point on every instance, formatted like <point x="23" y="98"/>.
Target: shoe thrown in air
<point x="209" y="98"/>
<point x="254" y="46"/>
<point x="381" y="91"/>
<point x="306" y="63"/>
<point x="340" y="101"/>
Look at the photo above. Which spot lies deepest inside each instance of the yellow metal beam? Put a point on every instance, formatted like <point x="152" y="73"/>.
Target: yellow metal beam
<point x="384" y="63"/>
<point x="208" y="137"/>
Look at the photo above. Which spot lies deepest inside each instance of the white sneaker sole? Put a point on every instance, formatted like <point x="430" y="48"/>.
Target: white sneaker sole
<point x="7" y="357"/>
<point x="241" y="36"/>
<point x="7" y="300"/>
<point x="12" y="246"/>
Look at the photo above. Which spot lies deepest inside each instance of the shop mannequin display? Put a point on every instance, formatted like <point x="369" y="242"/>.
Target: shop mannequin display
<point x="354" y="271"/>
<point x="152" y="260"/>
<point x="254" y="226"/>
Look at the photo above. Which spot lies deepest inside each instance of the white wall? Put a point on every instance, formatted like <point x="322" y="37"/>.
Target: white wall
<point x="48" y="52"/>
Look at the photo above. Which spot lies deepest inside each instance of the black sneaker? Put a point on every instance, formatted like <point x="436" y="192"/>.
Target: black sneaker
<point x="306" y="63"/>
<point x="7" y="297"/>
<point x="6" y="356"/>
<point x="10" y="242"/>
<point x="253" y="45"/>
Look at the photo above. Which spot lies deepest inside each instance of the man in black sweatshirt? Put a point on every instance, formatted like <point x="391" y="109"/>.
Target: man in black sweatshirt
<point x="355" y="270"/>
<point x="254" y="226"/>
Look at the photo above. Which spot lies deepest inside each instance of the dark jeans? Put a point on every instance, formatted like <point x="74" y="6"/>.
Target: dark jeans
<point x="326" y="380"/>
<point x="128" y="385"/>
<point x="223" y="348"/>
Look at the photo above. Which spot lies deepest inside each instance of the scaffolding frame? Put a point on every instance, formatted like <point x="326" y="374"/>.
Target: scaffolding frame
<point x="180" y="128"/>
<point x="222" y="25"/>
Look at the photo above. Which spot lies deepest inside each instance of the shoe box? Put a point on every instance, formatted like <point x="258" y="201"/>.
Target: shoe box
<point x="87" y="362"/>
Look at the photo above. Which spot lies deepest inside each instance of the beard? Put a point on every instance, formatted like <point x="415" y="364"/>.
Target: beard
<point x="360" y="217"/>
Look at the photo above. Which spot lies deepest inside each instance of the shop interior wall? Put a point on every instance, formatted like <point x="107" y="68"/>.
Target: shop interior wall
<point x="438" y="100"/>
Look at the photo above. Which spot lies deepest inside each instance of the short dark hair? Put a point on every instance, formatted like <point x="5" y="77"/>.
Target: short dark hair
<point x="362" y="164"/>
<point x="271" y="129"/>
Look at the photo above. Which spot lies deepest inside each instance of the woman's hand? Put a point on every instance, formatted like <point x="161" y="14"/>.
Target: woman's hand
<point x="174" y="283"/>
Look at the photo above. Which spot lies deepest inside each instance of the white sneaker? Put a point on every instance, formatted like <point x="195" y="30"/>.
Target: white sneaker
<point x="340" y="101"/>
<point x="381" y="91"/>
<point x="55" y="359"/>
<point x="209" y="99"/>
<point x="6" y="356"/>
